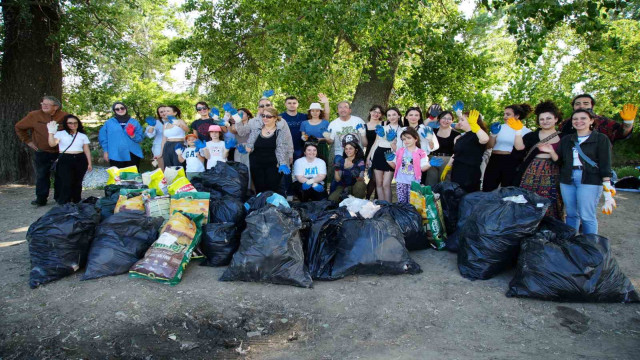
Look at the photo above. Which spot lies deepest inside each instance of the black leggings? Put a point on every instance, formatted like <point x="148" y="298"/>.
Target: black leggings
<point x="69" y="174"/>
<point x="135" y="160"/>
<point x="500" y="171"/>
<point x="265" y="177"/>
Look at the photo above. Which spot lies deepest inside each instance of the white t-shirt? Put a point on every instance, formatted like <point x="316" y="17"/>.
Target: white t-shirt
<point x="576" y="155"/>
<point x="194" y="164"/>
<point x="302" y="167"/>
<point x="506" y="137"/>
<point x="216" y="152"/>
<point x="340" y="128"/>
<point x="65" y="139"/>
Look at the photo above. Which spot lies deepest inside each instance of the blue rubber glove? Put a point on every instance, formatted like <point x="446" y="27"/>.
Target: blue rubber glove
<point x="150" y="120"/>
<point x="306" y="186"/>
<point x="380" y="130"/>
<point x="318" y="187"/>
<point x="214" y="113"/>
<point x="434" y="124"/>
<point x="389" y="155"/>
<point x="359" y="126"/>
<point x="458" y="106"/>
<point x="268" y="93"/>
<point x="426" y="131"/>
<point x="200" y="144"/>
<point x="227" y="106"/>
<point x="230" y="143"/>
<point x="171" y="118"/>
<point x="179" y="146"/>
<point x="391" y="135"/>
<point x="436" y="162"/>
<point x="277" y="200"/>
<point x="284" y="169"/>
<point x="435" y="110"/>
<point x="495" y="128"/>
<point x="241" y="149"/>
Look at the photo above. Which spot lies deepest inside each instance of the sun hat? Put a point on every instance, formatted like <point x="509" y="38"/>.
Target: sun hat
<point x="214" y="128"/>
<point x="315" y="106"/>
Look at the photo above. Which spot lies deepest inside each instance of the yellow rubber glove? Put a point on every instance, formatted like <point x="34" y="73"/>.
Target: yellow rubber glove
<point x="515" y="124"/>
<point x="445" y="171"/>
<point x="473" y="121"/>
<point x="628" y="113"/>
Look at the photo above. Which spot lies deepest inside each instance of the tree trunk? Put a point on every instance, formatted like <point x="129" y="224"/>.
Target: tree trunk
<point x="376" y="83"/>
<point x="31" y="68"/>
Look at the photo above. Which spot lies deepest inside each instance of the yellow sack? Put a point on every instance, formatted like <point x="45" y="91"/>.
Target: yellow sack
<point x="114" y="173"/>
<point x="192" y="203"/>
<point x="419" y="202"/>
<point x="155" y="180"/>
<point x="133" y="199"/>
<point x="181" y="185"/>
<point x="173" y="173"/>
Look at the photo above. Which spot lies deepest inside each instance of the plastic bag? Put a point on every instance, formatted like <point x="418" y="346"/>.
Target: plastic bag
<point x="155" y="180"/>
<point x="321" y="245"/>
<point x="158" y="206"/>
<point x="409" y="221"/>
<point x="227" y="178"/>
<point x="227" y="209"/>
<point x="450" y="196"/>
<point x="491" y="236"/>
<point x="167" y="258"/>
<point x="578" y="268"/>
<point x="270" y="250"/>
<point x="309" y="213"/>
<point x="181" y="185"/>
<point x="119" y="242"/>
<point x="130" y="178"/>
<point x="114" y="173"/>
<point x="361" y="246"/>
<point x="107" y="205"/>
<point x="59" y="242"/>
<point x="263" y="199"/>
<point x="173" y="173"/>
<point x="192" y="203"/>
<point x="219" y="243"/>
<point x="360" y="206"/>
<point x="115" y="189"/>
<point x="133" y="199"/>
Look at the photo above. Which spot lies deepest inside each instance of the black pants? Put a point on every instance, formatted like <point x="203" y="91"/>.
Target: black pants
<point x="135" y="160"/>
<point x="500" y="171"/>
<point x="265" y="177"/>
<point x="467" y="176"/>
<point x="308" y="195"/>
<point x="42" y="163"/>
<point x="69" y="174"/>
<point x="169" y="155"/>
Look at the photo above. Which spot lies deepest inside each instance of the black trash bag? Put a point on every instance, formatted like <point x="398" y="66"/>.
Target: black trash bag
<point x="560" y="228"/>
<point x="115" y="189"/>
<point x="90" y="200"/>
<point x="119" y="242"/>
<point x="490" y="238"/>
<point x="107" y="205"/>
<point x="628" y="182"/>
<point x="321" y="245"/>
<point x="227" y="209"/>
<point x="258" y="201"/>
<point x="578" y="269"/>
<point x="219" y="242"/>
<point x="450" y="196"/>
<point x="408" y="220"/>
<point x="309" y="213"/>
<point x="59" y="242"/>
<point x="270" y="249"/>
<point x="227" y="179"/>
<point x="364" y="246"/>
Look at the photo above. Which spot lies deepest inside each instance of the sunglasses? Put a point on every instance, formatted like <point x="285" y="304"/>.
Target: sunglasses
<point x="119" y="108"/>
<point x="264" y="106"/>
<point x="201" y="108"/>
<point x="268" y="116"/>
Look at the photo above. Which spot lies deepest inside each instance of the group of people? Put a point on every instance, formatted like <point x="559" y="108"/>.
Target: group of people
<point x="567" y="161"/>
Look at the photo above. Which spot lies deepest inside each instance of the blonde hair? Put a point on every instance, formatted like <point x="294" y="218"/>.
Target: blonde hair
<point x="272" y="111"/>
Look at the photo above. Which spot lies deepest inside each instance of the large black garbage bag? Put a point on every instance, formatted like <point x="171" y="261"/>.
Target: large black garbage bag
<point x="270" y="249"/>
<point x="409" y="221"/>
<point x="365" y="246"/>
<point x="107" y="205"/>
<point x="450" y="196"/>
<point x="491" y="236"/>
<point x="321" y="245"/>
<point x="119" y="242"/>
<point x="577" y="268"/>
<point x="227" y="178"/>
<point x="219" y="243"/>
<point x="257" y="201"/>
<point x="115" y="189"/>
<point x="59" y="241"/>
<point x="227" y="209"/>
<point x="309" y="213"/>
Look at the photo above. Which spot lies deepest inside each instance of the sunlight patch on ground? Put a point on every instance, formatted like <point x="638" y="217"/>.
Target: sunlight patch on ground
<point x="11" y="243"/>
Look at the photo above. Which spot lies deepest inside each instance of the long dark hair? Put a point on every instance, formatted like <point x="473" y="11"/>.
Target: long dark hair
<point x="359" y="155"/>
<point x="522" y="110"/>
<point x="413" y="108"/>
<point x="382" y="113"/>
<point x="413" y="133"/>
<point x="400" y="121"/>
<point x="248" y="112"/>
<point x="80" y="128"/>
<point x="176" y="110"/>
<point x="158" y="113"/>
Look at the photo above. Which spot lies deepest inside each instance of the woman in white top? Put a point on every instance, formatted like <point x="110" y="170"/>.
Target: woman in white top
<point x="173" y="134"/>
<point x="310" y="172"/>
<point x="385" y="141"/>
<point x="504" y="160"/>
<point x="74" y="159"/>
<point x="154" y="131"/>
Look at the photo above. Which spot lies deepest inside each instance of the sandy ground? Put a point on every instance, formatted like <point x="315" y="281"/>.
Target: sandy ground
<point x="433" y="315"/>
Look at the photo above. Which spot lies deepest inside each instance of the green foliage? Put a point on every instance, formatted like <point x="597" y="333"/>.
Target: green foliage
<point x="626" y="171"/>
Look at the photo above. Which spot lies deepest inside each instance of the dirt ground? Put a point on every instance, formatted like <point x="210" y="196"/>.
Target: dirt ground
<point x="433" y="315"/>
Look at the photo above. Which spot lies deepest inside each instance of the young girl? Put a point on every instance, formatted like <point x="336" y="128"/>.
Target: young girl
<point x="215" y="150"/>
<point x="192" y="157"/>
<point x="385" y="141"/>
<point x="409" y="162"/>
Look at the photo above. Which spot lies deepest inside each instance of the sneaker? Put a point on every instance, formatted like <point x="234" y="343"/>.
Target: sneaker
<point x="37" y="202"/>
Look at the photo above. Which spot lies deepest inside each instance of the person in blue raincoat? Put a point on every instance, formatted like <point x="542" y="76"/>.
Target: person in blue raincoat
<point x="120" y="138"/>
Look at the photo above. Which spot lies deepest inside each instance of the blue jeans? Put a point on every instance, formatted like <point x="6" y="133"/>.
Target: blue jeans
<point x="580" y="202"/>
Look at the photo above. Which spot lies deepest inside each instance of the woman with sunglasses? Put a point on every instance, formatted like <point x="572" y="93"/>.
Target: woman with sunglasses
<point x="74" y="159"/>
<point x="173" y="134"/>
<point x="120" y="138"/>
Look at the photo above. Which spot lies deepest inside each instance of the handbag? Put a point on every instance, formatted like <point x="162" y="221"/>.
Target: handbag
<point x="55" y="163"/>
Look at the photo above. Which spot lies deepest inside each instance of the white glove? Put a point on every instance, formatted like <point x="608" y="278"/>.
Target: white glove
<point x="52" y="127"/>
<point x="179" y="152"/>
<point x="607" y="187"/>
<point x="609" y="203"/>
<point x="310" y="182"/>
<point x="216" y="117"/>
<point x="226" y="117"/>
<point x="326" y="135"/>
